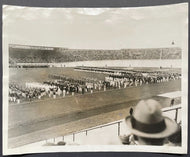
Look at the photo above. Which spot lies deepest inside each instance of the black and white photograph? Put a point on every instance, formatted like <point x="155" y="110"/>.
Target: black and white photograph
<point x="95" y="79"/>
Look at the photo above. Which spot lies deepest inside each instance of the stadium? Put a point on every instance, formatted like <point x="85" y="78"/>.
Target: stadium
<point x="61" y="96"/>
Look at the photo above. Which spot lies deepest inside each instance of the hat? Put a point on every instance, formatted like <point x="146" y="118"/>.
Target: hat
<point x="147" y="121"/>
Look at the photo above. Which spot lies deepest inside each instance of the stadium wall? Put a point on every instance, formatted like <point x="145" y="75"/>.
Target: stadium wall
<point x="169" y="63"/>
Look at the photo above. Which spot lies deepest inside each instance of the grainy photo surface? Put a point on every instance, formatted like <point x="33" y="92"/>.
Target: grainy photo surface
<point x="95" y="79"/>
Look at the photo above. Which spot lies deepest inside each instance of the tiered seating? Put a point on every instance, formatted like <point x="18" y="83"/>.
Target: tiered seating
<point x="57" y="55"/>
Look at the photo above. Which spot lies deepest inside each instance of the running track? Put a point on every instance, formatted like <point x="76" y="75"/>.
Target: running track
<point x="40" y="120"/>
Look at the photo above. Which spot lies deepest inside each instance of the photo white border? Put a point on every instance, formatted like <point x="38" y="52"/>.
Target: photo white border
<point x="104" y="148"/>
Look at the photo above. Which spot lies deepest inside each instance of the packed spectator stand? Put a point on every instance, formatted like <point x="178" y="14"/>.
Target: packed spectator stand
<point x="40" y="54"/>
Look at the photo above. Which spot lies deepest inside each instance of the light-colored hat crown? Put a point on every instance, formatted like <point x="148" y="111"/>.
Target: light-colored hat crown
<point x="147" y="121"/>
<point x="148" y="112"/>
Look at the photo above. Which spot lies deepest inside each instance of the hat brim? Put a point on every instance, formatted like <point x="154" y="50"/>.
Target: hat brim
<point x="171" y="128"/>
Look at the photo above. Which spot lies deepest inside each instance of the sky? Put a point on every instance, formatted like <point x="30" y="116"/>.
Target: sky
<point x="95" y="28"/>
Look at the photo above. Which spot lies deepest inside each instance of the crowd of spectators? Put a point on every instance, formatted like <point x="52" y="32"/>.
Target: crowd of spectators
<point x="58" y="55"/>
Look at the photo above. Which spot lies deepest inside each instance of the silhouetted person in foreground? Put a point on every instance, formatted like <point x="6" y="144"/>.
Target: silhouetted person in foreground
<point x="148" y="126"/>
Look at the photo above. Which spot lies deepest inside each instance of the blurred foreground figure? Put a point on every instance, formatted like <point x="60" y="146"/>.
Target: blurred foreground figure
<point x="148" y="126"/>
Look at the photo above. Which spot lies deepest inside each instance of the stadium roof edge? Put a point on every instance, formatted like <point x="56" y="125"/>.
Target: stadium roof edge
<point x="49" y="47"/>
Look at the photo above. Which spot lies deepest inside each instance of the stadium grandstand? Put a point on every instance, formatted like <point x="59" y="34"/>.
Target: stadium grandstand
<point x="41" y="54"/>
